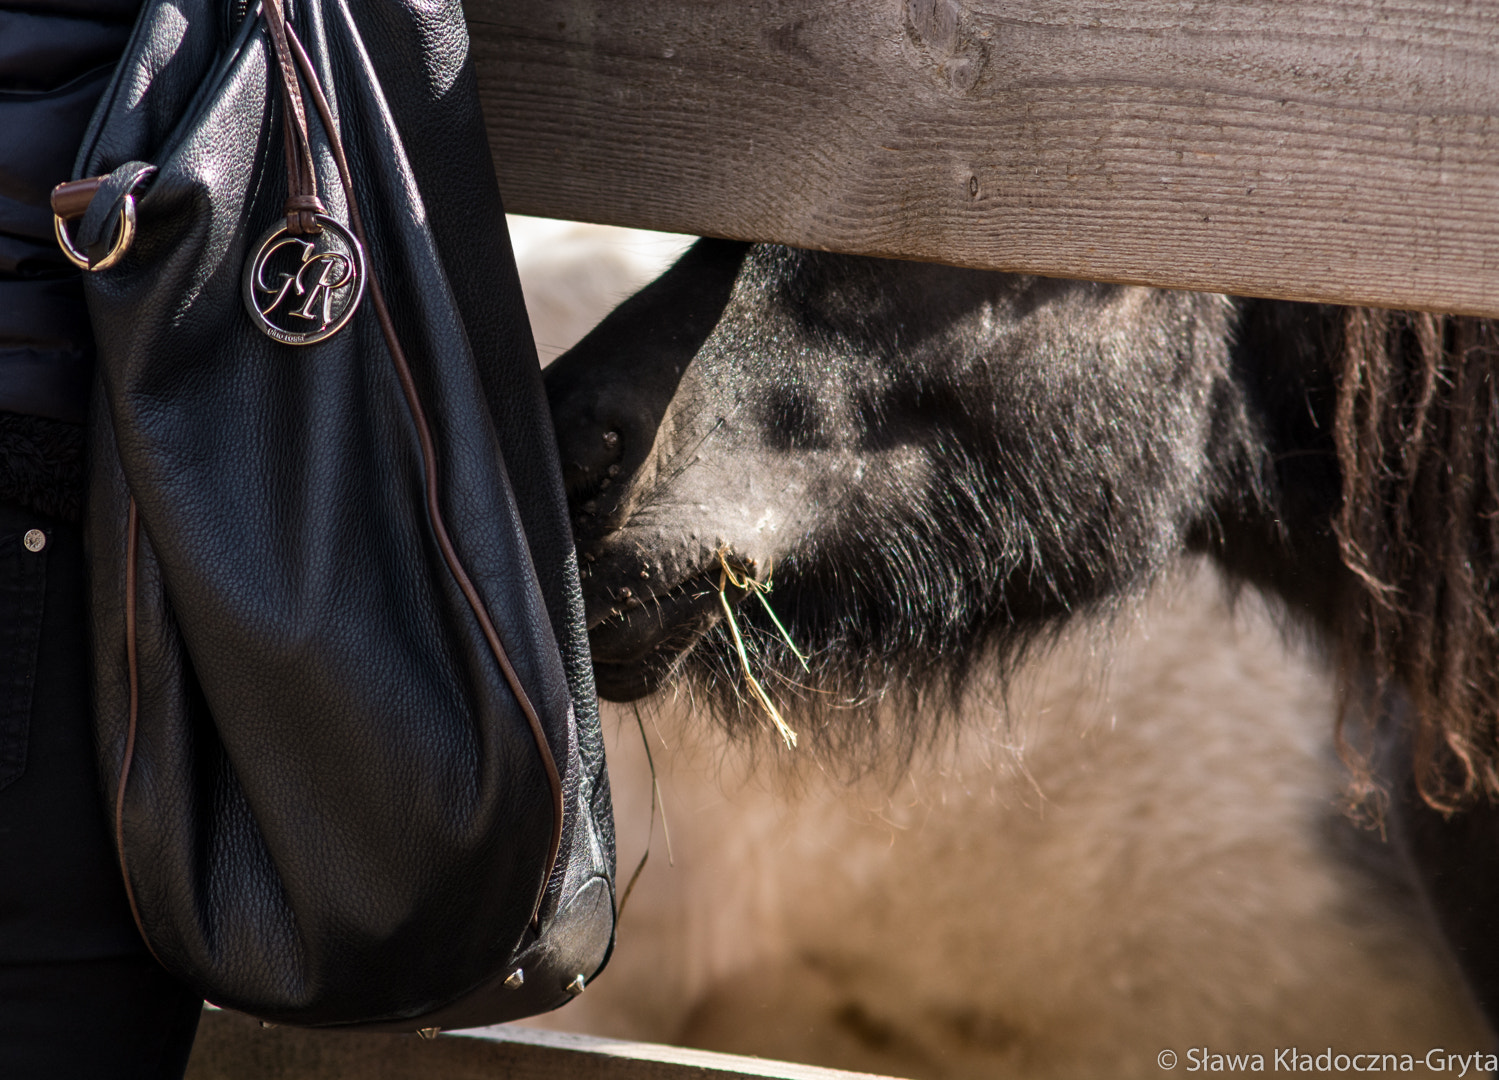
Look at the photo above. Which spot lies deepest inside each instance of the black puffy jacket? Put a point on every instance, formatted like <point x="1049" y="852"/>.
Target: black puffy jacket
<point x="55" y="58"/>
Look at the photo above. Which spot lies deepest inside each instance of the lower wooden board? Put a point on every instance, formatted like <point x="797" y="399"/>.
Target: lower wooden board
<point x="1335" y="150"/>
<point x="232" y="1046"/>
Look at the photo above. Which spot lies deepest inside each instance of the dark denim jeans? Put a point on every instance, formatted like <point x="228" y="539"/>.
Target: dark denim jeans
<point x="80" y="996"/>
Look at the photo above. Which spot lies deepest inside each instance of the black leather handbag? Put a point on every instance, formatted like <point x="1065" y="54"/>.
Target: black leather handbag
<point x="346" y="716"/>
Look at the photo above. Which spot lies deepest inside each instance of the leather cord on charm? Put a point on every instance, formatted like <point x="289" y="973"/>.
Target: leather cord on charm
<point x="302" y="200"/>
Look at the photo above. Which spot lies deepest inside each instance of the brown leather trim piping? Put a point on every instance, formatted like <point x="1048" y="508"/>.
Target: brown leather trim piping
<point x="132" y="663"/>
<point x="429" y="464"/>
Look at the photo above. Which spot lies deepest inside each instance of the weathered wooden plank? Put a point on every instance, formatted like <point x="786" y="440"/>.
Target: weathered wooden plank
<point x="231" y="1046"/>
<point x="1342" y="150"/>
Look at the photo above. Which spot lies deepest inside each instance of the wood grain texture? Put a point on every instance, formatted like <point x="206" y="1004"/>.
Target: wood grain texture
<point x="232" y="1046"/>
<point x="1337" y="150"/>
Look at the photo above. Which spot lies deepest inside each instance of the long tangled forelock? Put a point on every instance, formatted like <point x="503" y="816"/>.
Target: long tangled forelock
<point x="1417" y="433"/>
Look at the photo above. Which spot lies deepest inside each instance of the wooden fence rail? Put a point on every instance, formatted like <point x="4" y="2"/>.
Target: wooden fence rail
<point x="1339" y="150"/>
<point x="231" y="1046"/>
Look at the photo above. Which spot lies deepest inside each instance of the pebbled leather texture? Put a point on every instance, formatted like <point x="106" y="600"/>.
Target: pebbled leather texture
<point x="335" y="811"/>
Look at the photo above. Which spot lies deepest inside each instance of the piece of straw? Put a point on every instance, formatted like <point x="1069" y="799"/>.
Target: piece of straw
<point x="749" y="677"/>
<point x="760" y="589"/>
<point x="650" y="831"/>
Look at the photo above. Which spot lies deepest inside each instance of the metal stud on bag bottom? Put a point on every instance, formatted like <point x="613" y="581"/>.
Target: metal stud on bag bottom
<point x="302" y="289"/>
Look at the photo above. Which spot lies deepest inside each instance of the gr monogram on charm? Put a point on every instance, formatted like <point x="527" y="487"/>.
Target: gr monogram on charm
<point x="302" y="289"/>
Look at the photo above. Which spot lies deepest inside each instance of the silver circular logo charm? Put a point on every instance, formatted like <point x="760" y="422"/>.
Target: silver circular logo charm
<point x="302" y="289"/>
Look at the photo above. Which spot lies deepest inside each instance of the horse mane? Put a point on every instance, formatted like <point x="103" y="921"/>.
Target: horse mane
<point x="1417" y="435"/>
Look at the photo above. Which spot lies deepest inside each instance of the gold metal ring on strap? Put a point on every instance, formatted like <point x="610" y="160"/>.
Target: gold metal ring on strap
<point x="124" y="235"/>
<point x="70" y="201"/>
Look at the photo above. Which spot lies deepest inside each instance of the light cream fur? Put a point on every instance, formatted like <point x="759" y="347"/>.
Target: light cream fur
<point x="1149" y="853"/>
